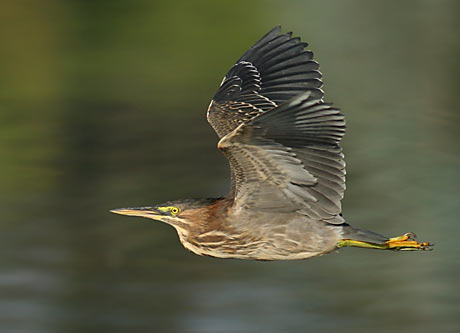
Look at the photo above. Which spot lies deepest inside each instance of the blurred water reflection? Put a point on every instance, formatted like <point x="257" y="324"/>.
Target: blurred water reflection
<point x="102" y="105"/>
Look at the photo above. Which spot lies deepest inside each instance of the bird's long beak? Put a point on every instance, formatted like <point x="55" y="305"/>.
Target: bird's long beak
<point x="149" y="212"/>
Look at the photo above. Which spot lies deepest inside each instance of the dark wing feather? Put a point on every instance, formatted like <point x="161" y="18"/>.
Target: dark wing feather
<point x="271" y="72"/>
<point x="289" y="159"/>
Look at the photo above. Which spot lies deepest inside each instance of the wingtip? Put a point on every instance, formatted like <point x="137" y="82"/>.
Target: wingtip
<point x="276" y="30"/>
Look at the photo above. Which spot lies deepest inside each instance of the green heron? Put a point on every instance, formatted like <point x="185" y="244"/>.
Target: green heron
<point x="287" y="168"/>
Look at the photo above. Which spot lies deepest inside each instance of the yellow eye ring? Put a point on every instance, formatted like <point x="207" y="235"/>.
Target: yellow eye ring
<point x="174" y="210"/>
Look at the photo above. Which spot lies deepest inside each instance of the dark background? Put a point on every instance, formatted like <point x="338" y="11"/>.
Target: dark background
<point x="102" y="105"/>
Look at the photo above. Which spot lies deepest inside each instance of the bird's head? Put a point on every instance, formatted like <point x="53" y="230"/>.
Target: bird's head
<point x="181" y="214"/>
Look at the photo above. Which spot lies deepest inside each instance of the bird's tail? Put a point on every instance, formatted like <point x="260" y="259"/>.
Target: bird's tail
<point x="353" y="233"/>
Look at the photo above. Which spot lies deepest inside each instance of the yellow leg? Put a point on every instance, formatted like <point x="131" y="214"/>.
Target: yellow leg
<point x="405" y="242"/>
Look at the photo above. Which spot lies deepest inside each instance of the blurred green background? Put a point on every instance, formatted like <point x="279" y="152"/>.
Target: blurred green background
<point x="102" y="105"/>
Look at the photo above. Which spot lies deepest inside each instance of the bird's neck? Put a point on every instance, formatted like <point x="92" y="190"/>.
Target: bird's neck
<point x="210" y="229"/>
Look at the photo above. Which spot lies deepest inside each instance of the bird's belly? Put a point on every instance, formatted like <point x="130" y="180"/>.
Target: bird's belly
<point x="298" y="243"/>
<point x="289" y="238"/>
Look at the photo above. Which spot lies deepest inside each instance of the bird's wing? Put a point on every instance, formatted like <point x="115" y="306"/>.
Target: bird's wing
<point x="271" y="72"/>
<point x="289" y="159"/>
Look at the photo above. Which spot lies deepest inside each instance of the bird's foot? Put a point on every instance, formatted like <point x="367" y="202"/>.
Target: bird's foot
<point x="407" y="242"/>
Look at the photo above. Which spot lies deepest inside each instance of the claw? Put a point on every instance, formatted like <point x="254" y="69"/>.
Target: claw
<point x="410" y="235"/>
<point x="425" y="246"/>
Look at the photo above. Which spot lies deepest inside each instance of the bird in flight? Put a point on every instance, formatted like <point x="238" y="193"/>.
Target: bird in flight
<point x="287" y="168"/>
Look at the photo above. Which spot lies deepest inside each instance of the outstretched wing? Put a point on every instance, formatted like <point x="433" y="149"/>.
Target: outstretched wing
<point x="271" y="72"/>
<point x="289" y="159"/>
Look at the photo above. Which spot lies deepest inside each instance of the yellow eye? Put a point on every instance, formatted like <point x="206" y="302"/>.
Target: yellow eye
<point x="174" y="210"/>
